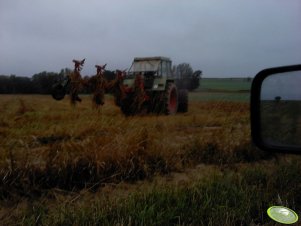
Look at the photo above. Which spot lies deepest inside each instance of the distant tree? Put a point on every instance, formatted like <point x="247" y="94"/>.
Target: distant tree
<point x="185" y="77"/>
<point x="65" y="72"/>
<point x="4" y="84"/>
<point x="174" y="71"/>
<point x="38" y="83"/>
<point x="23" y="85"/>
<point x="13" y="84"/>
<point x="277" y="99"/>
<point x="43" y="81"/>
<point x="184" y="70"/>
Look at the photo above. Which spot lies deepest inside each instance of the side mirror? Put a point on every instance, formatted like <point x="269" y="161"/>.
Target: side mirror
<point x="276" y="109"/>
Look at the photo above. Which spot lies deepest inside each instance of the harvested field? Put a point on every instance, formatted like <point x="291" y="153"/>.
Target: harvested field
<point x="51" y="151"/>
<point x="51" y="144"/>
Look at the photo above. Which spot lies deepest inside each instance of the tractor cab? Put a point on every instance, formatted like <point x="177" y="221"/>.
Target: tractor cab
<point x="154" y="70"/>
<point x="151" y="66"/>
<point x="149" y="87"/>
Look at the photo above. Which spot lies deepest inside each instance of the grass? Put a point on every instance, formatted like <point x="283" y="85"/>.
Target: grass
<point x="222" y="89"/>
<point x="221" y="96"/>
<point x="56" y="162"/>
<point x="222" y="199"/>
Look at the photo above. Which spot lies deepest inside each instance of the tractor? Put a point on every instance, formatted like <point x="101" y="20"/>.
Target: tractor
<point x="149" y="87"/>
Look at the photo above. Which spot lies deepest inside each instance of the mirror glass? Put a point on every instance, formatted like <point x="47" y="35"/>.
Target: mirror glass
<point x="280" y="109"/>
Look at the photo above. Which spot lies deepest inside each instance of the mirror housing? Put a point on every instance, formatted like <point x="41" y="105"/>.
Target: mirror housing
<point x="276" y="109"/>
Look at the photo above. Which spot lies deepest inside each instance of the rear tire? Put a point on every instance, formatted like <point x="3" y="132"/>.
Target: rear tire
<point x="183" y="100"/>
<point x="171" y="99"/>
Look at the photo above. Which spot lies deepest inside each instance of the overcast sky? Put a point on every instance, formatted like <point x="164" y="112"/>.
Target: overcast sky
<point x="224" y="38"/>
<point x="285" y="85"/>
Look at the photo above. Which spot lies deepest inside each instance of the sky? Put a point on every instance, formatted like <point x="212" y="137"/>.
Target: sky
<point x="223" y="38"/>
<point x="285" y="85"/>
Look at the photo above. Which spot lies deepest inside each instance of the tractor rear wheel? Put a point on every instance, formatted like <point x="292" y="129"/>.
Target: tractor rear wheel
<point x="171" y="99"/>
<point x="183" y="100"/>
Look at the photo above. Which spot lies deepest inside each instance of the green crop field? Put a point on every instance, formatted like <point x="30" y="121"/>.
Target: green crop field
<point x="222" y="89"/>
<point x="220" y="96"/>
<point x="225" y="84"/>
<point x="64" y="165"/>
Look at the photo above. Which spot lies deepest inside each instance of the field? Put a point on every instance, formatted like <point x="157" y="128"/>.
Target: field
<point x="64" y="165"/>
<point x="226" y="84"/>
<point x="227" y="89"/>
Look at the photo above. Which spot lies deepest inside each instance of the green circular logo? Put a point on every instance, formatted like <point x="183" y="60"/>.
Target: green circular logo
<point x="282" y="214"/>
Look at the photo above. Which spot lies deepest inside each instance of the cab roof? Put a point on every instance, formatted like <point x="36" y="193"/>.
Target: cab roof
<point x="152" y="58"/>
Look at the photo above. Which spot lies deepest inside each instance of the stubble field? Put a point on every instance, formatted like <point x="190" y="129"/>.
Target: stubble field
<point x="61" y="165"/>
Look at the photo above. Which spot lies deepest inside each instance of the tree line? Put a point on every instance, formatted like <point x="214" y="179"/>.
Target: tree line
<point x="41" y="83"/>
